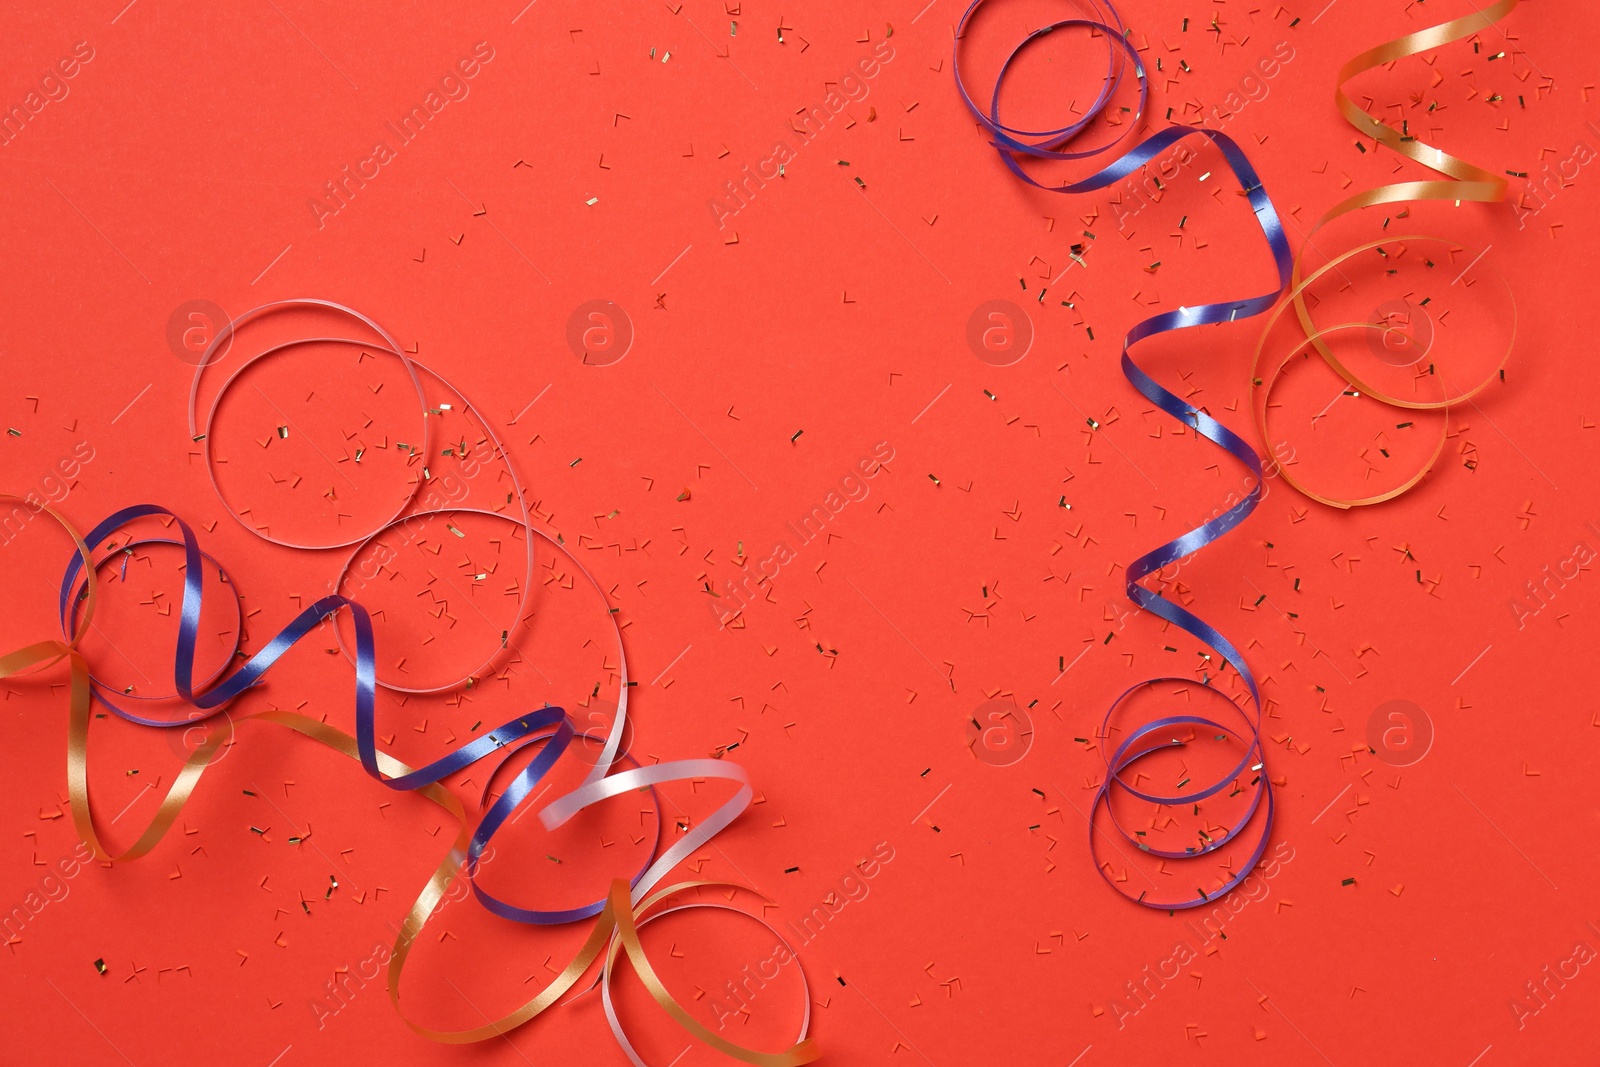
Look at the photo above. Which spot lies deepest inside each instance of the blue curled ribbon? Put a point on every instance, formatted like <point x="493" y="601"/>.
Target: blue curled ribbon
<point x="1151" y="737"/>
<point x="549" y="724"/>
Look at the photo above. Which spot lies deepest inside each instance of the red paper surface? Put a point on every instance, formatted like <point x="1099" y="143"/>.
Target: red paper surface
<point x="762" y="350"/>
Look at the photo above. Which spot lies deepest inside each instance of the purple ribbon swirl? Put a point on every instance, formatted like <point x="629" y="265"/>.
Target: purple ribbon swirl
<point x="549" y="724"/>
<point x="1158" y="733"/>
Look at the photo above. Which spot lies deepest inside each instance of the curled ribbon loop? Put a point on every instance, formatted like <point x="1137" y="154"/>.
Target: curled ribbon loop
<point x="420" y="492"/>
<point x="1157" y="734"/>
<point x="1468" y="182"/>
<point x="628" y="923"/>
<point x="616" y="915"/>
<point x="549" y="725"/>
<point x="200" y="430"/>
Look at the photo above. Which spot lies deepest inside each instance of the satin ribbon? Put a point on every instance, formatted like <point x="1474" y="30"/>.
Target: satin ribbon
<point x="221" y="344"/>
<point x="549" y="724"/>
<point x="106" y="692"/>
<point x="215" y="698"/>
<point x="1469" y="183"/>
<point x="595" y="787"/>
<point x="200" y="429"/>
<point x="1150" y="737"/>
<point x="628" y="921"/>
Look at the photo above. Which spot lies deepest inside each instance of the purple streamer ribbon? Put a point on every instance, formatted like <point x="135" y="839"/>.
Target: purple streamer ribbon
<point x="1157" y="734"/>
<point x="549" y="724"/>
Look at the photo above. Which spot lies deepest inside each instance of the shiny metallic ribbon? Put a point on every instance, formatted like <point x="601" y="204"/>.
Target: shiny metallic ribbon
<point x="1468" y="183"/>
<point x="1159" y="733"/>
<point x="620" y="912"/>
<point x="548" y="724"/>
<point x="200" y="429"/>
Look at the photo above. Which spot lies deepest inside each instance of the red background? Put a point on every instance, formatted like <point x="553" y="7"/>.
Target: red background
<point x="179" y="166"/>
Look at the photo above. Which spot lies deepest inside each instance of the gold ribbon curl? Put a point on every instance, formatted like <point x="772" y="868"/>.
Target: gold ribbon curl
<point x="1469" y="182"/>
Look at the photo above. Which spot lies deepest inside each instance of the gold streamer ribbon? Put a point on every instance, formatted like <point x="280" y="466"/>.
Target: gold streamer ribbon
<point x="626" y="918"/>
<point x="1469" y="182"/>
